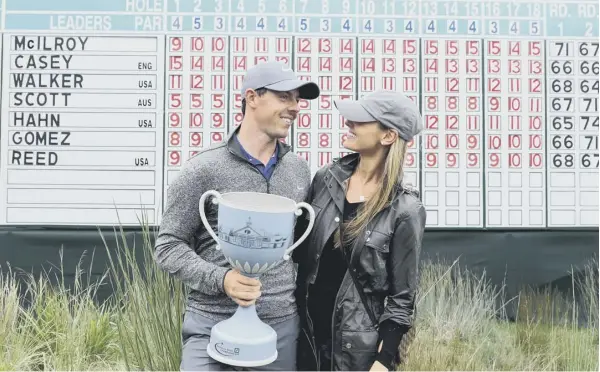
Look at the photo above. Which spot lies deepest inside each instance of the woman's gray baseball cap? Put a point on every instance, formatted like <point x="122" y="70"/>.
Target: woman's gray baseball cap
<point x="392" y="109"/>
<point x="277" y="76"/>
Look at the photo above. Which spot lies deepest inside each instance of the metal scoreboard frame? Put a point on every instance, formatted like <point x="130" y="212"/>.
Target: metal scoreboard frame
<point x="103" y="101"/>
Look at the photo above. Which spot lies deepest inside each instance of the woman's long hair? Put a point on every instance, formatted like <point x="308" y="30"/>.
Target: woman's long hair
<point x="393" y="173"/>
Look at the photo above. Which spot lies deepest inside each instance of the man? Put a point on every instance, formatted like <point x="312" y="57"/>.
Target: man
<point x="252" y="159"/>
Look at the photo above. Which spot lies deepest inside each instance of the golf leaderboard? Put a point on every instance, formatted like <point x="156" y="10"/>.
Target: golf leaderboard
<point x="104" y="101"/>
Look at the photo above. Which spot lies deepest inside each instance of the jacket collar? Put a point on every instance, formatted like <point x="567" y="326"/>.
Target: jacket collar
<point x="342" y="168"/>
<point x="234" y="147"/>
<point x="337" y="180"/>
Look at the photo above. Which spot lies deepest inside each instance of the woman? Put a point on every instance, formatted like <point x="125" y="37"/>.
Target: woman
<point x="357" y="271"/>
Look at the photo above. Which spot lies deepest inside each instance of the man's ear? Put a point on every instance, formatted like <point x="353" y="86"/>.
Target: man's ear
<point x="251" y="97"/>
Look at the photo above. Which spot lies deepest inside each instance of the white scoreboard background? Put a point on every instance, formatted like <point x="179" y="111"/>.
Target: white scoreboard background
<point x="104" y="100"/>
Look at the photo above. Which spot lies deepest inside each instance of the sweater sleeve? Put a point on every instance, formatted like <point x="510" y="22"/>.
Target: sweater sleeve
<point x="180" y="221"/>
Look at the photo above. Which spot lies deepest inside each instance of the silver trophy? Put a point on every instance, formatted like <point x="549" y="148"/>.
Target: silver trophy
<point x="255" y="233"/>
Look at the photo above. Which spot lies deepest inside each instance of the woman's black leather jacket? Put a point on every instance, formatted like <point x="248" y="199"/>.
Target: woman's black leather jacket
<point x="384" y="261"/>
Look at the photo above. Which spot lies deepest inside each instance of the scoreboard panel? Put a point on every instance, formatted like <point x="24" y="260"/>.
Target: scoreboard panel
<point x="515" y="118"/>
<point x="452" y="150"/>
<point x="197" y="97"/>
<point x="572" y="133"/>
<point x="104" y="101"/>
<point x="320" y="130"/>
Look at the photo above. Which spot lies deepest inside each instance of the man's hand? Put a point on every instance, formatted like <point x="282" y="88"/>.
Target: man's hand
<point x="243" y="290"/>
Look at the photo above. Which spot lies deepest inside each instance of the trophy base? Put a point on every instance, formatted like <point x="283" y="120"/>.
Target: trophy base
<point x="243" y="340"/>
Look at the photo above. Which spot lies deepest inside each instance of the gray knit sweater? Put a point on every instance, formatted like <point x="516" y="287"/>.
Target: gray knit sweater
<point x="186" y="250"/>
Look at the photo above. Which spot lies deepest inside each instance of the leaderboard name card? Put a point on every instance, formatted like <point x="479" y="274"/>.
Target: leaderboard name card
<point x="81" y="131"/>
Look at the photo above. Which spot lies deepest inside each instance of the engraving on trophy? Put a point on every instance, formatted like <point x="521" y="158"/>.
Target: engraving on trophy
<point x="226" y="351"/>
<point x="249" y="237"/>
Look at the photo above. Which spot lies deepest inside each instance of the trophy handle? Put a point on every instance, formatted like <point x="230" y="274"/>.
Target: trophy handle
<point x="215" y="200"/>
<point x="311" y="212"/>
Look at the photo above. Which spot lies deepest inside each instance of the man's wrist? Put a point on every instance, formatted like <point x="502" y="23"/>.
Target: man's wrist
<point x="221" y="280"/>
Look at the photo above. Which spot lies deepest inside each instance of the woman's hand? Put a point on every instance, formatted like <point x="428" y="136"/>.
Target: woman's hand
<point x="378" y="367"/>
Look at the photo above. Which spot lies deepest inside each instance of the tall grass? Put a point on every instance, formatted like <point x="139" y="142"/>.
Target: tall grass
<point x="48" y="324"/>
<point x="45" y="326"/>
<point x="458" y="326"/>
<point x="149" y="307"/>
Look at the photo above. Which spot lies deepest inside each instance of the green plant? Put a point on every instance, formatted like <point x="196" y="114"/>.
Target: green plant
<point x="46" y="323"/>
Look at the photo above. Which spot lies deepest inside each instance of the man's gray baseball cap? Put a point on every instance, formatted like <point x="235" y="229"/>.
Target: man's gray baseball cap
<point x="392" y="109"/>
<point x="277" y="76"/>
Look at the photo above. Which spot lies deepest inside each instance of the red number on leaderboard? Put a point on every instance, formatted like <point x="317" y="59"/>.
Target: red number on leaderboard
<point x="175" y="100"/>
<point x="175" y="138"/>
<point x="324" y="139"/>
<point x="196" y="101"/>
<point x="175" y="63"/>
<point x="196" y="120"/>
<point x="303" y="121"/>
<point x="303" y="140"/>
<point x="410" y="160"/>
<point x="452" y="160"/>
<point x="473" y="141"/>
<point x="174" y="157"/>
<point x="174" y="119"/>
<point x="195" y="139"/>
<point x="217" y="137"/>
<point x="217" y="120"/>
<point x="494" y="160"/>
<point x="197" y="82"/>
<point x="432" y="160"/>
<point x="176" y="44"/>
<point x="473" y="160"/>
<point x="198" y="44"/>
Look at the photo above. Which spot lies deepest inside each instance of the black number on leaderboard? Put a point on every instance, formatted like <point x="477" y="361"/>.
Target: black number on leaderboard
<point x="588" y="86"/>
<point x="563" y="104"/>
<point x="585" y="49"/>
<point x="562" y="122"/>
<point x="562" y="86"/>
<point x="589" y="122"/>
<point x="562" y="67"/>
<point x="590" y="160"/>
<point x="588" y="67"/>
<point x="589" y="104"/>
<point x="588" y="49"/>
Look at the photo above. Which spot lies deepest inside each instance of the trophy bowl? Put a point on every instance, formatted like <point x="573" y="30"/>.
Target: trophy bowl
<point x="255" y="233"/>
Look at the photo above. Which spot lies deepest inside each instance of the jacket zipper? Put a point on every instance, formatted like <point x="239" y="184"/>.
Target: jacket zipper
<point x="313" y="345"/>
<point x="332" y="321"/>
<point x="333" y="318"/>
<point x="310" y="325"/>
<point x="314" y="341"/>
